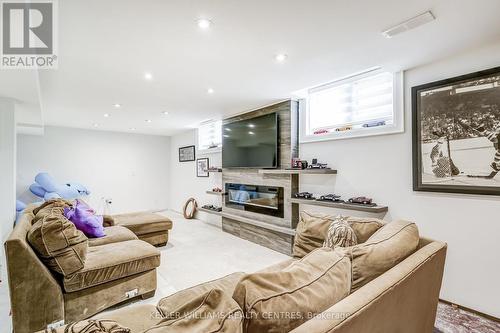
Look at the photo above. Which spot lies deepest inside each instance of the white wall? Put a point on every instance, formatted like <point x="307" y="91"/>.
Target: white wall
<point x="185" y="184"/>
<point x="7" y="196"/>
<point x="380" y="167"/>
<point x="131" y="169"/>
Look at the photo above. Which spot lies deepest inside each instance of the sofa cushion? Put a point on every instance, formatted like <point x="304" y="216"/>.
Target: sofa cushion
<point x="387" y="247"/>
<point x="340" y="234"/>
<point x="310" y="233"/>
<point x="143" y="222"/>
<point x="364" y="227"/>
<point x="213" y="311"/>
<point x="138" y="317"/>
<point x="114" y="234"/>
<point x="92" y="326"/>
<point x="111" y="262"/>
<point x="305" y="288"/>
<point x="227" y="284"/>
<point x="56" y="240"/>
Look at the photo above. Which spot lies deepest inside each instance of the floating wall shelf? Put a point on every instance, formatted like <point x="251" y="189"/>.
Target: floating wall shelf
<point x="299" y="171"/>
<point x="341" y="205"/>
<point x="209" y="211"/>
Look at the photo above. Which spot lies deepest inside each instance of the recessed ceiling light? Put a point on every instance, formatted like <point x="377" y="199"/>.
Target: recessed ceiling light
<point x="251" y="133"/>
<point x="148" y="76"/>
<point x="251" y="125"/>
<point x="116" y="105"/>
<point x="204" y="23"/>
<point x="226" y="136"/>
<point x="106" y="115"/>
<point x="165" y="113"/>
<point x="96" y="125"/>
<point x="281" y="57"/>
<point x="132" y="128"/>
<point x="210" y="91"/>
<point x="227" y="129"/>
<point x="148" y="120"/>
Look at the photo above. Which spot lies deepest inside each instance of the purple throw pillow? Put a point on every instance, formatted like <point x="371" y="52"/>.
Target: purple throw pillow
<point x="85" y="219"/>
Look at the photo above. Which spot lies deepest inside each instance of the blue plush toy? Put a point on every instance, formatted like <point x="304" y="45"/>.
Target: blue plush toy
<point x="46" y="187"/>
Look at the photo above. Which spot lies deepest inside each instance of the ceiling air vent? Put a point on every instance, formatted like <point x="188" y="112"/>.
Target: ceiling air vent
<point x="409" y="24"/>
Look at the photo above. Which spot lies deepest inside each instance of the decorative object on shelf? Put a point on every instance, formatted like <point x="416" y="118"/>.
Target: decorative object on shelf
<point x="304" y="195"/>
<point x="189" y="208"/>
<point x="217" y="189"/>
<point x="362" y="201"/>
<point x="297" y="163"/>
<point x="315" y="165"/>
<point x="456" y="134"/>
<point x="187" y="154"/>
<point x="212" y="207"/>
<point x="331" y="197"/>
<point x="214" y="169"/>
<point x="202" y="167"/>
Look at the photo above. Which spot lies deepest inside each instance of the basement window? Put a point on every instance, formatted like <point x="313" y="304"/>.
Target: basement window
<point x="210" y="137"/>
<point x="361" y="105"/>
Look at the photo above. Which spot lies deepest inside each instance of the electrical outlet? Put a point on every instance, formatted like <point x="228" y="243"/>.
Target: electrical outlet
<point x="55" y="325"/>
<point x="132" y="293"/>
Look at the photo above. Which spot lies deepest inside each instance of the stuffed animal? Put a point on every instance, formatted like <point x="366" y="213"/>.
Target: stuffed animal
<point x="46" y="187"/>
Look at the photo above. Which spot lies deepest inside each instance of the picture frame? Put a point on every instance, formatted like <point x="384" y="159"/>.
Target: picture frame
<point x="187" y="154"/>
<point x="456" y="134"/>
<point x="202" y="165"/>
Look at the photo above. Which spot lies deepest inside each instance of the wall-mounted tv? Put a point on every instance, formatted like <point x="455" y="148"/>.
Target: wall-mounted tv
<point x="251" y="143"/>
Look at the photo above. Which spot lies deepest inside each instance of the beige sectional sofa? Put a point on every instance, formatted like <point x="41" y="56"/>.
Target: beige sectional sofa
<point x="402" y="298"/>
<point x="116" y="268"/>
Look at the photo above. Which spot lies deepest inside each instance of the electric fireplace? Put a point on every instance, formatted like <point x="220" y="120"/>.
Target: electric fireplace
<point x="255" y="198"/>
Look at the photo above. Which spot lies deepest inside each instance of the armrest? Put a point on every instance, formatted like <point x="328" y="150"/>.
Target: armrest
<point x="403" y="299"/>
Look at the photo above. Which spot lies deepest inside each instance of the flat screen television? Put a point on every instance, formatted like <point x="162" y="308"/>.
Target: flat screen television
<point x="251" y="143"/>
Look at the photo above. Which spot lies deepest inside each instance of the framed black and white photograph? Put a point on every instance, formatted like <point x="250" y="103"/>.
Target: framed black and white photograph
<point x="456" y="134"/>
<point x="202" y="167"/>
<point x="187" y="154"/>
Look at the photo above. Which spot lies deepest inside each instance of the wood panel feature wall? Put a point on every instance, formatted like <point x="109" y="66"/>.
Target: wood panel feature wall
<point x="288" y="147"/>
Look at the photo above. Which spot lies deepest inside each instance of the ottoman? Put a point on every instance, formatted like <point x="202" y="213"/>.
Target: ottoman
<point x="149" y="227"/>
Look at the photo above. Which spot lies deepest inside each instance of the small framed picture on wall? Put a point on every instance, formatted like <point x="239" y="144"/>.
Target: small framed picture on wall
<point x="202" y="167"/>
<point x="187" y="154"/>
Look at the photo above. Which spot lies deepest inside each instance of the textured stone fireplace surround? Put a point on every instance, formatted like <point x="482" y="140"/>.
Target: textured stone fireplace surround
<point x="273" y="232"/>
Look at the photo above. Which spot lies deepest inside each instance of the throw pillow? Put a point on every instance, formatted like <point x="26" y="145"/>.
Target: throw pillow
<point x="213" y="311"/>
<point x="85" y="219"/>
<point x="310" y="233"/>
<point x="340" y="234"/>
<point x="364" y="227"/>
<point x="280" y="301"/>
<point x="58" y="243"/>
<point x="386" y="248"/>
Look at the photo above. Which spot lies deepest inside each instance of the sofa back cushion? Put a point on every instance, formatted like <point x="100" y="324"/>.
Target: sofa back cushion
<point x="213" y="311"/>
<point x="56" y="240"/>
<point x="311" y="232"/>
<point x="305" y="288"/>
<point x="364" y="227"/>
<point x="387" y="247"/>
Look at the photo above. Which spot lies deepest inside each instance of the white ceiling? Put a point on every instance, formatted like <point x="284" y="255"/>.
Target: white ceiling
<point x="105" y="47"/>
